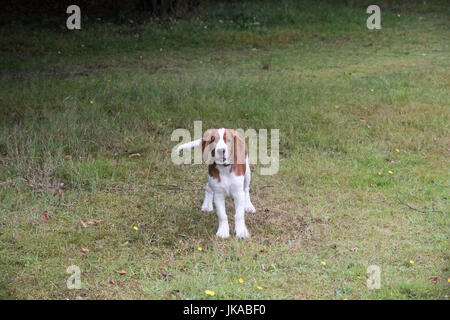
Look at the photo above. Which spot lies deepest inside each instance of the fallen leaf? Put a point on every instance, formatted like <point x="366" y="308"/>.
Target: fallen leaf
<point x="166" y="276"/>
<point x="353" y="249"/>
<point x="45" y="216"/>
<point x="90" y="223"/>
<point x="362" y="120"/>
<point x="434" y="279"/>
<point x="5" y="222"/>
<point x="134" y="155"/>
<point x="121" y="272"/>
<point x="112" y="281"/>
<point x="84" y="250"/>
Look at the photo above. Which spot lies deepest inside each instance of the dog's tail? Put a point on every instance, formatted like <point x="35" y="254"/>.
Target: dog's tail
<point x="190" y="145"/>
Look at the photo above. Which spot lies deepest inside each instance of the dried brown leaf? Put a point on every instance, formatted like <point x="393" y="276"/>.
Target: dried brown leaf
<point x="134" y="155"/>
<point x="45" y="216"/>
<point x="90" y="223"/>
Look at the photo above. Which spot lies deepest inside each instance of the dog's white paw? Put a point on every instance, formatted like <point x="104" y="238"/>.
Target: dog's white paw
<point x="207" y="207"/>
<point x="242" y="232"/>
<point x="223" y="233"/>
<point x="249" y="207"/>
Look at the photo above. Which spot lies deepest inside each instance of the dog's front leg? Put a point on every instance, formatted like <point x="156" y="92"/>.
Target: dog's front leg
<point x="224" y="228"/>
<point x="207" y="205"/>
<point x="239" y="219"/>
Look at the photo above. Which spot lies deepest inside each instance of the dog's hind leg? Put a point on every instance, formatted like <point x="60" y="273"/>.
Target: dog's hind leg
<point x="248" y="204"/>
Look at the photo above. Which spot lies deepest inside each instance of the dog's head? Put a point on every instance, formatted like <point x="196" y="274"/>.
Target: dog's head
<point x="223" y="147"/>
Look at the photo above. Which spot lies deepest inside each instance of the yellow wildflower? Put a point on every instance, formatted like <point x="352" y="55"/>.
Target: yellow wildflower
<point x="210" y="293"/>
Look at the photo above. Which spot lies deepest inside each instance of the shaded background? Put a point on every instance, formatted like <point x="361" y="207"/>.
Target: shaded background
<point x="53" y="13"/>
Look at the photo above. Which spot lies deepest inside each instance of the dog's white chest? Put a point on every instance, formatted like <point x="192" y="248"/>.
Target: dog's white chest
<point x="227" y="184"/>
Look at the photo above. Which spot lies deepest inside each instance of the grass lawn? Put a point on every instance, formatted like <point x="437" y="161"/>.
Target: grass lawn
<point x="364" y="153"/>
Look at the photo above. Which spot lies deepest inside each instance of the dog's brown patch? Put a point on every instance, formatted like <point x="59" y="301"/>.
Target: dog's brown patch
<point x="214" y="172"/>
<point x="237" y="144"/>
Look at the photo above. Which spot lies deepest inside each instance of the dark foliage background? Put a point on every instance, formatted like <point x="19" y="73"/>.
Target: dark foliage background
<point x="51" y="12"/>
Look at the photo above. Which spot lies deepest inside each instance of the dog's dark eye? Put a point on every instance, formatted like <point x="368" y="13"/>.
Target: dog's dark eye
<point x="213" y="138"/>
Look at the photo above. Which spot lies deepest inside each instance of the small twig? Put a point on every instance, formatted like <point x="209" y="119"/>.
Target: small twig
<point x="415" y="209"/>
<point x="266" y="186"/>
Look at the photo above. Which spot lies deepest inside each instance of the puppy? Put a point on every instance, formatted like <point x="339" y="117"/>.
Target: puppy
<point x="225" y="152"/>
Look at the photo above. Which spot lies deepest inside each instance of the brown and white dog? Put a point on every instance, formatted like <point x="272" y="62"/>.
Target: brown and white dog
<point x="229" y="174"/>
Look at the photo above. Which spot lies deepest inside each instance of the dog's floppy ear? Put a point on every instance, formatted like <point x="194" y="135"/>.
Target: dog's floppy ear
<point x="239" y="154"/>
<point x="239" y="148"/>
<point x="209" y="138"/>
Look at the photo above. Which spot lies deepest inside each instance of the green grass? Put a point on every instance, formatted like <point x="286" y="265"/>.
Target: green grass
<point x="307" y="69"/>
